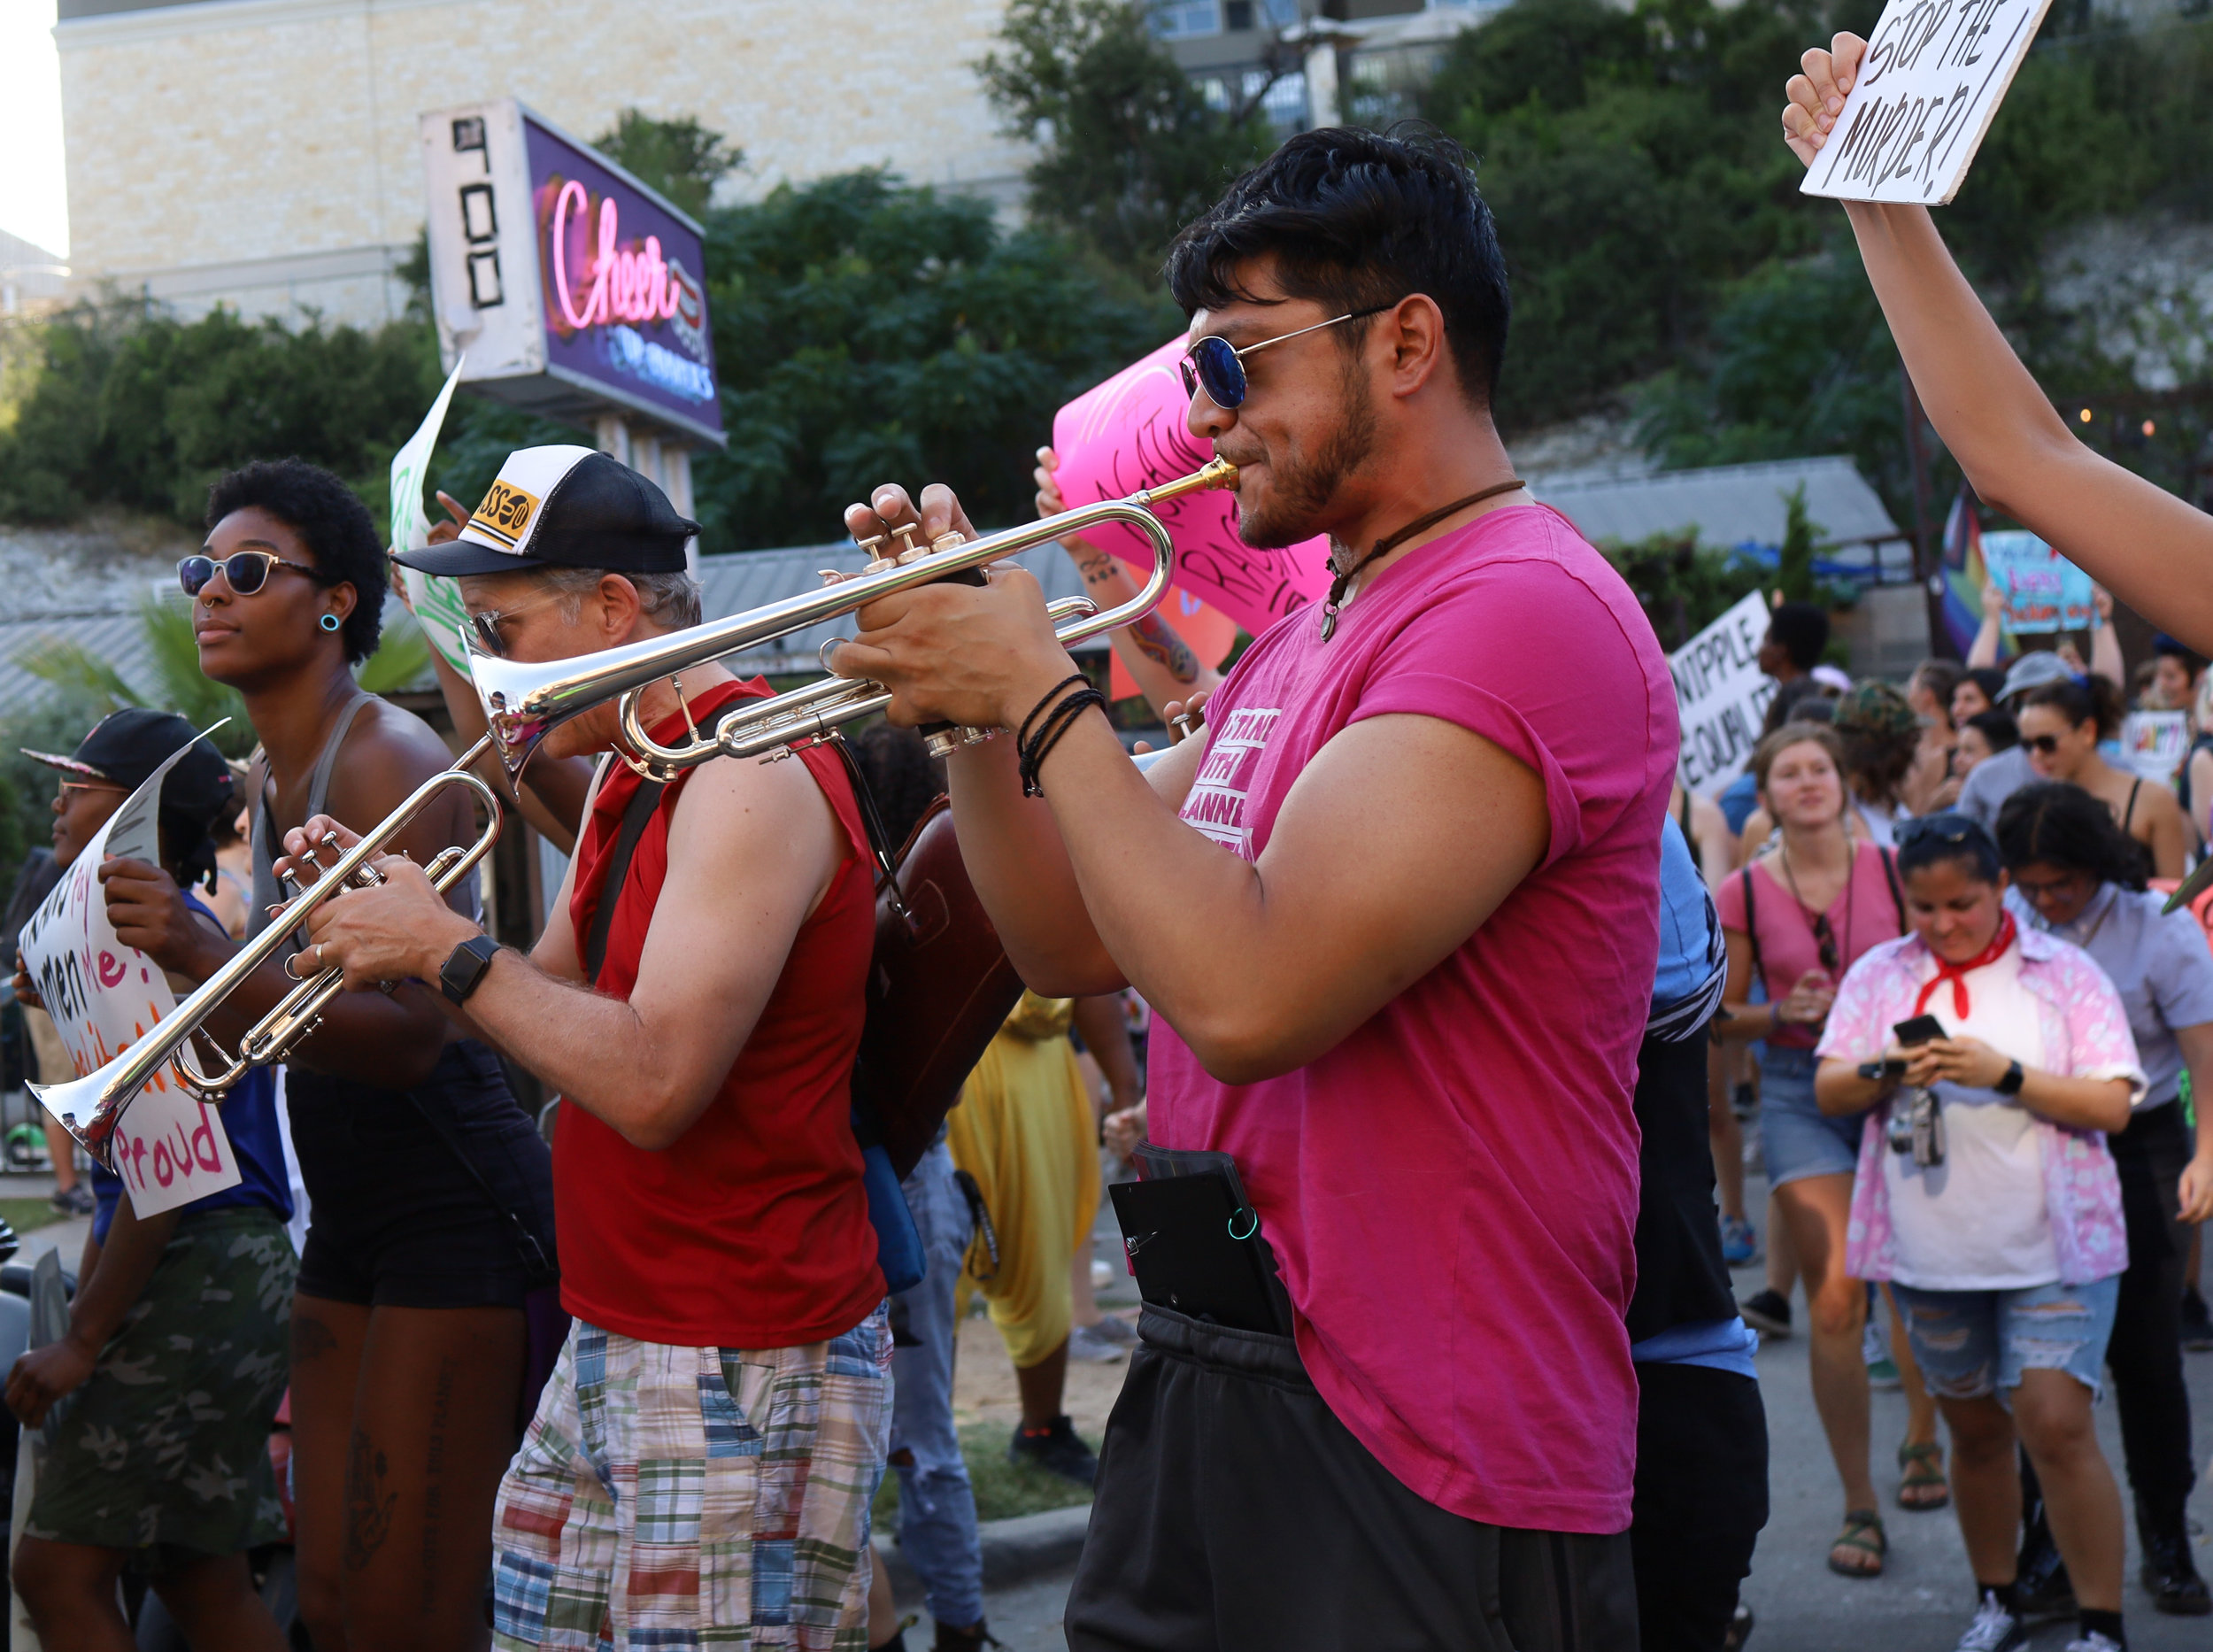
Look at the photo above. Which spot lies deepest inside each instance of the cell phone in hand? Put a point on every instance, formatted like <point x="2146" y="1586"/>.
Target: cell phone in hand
<point x="1920" y="1029"/>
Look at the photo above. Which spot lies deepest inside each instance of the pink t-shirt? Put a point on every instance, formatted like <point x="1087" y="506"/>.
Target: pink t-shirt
<point x="1864" y="915"/>
<point x="1452" y="1190"/>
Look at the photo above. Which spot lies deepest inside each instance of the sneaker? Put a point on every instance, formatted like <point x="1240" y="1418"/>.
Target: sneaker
<point x="1766" y="1312"/>
<point x="1056" y="1449"/>
<point x="1744" y="1102"/>
<point x="1882" y="1375"/>
<point x="1994" y="1629"/>
<point x="73" y="1201"/>
<point x="2197" y="1325"/>
<point x="2041" y="1587"/>
<point x="1738" y="1243"/>
<point x="1115" y="1328"/>
<point x="1086" y="1343"/>
<point x="2171" y="1578"/>
<point x="2094" y="1641"/>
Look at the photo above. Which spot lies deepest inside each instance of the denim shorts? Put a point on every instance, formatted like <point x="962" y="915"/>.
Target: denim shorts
<point x="1972" y="1343"/>
<point x="1796" y="1139"/>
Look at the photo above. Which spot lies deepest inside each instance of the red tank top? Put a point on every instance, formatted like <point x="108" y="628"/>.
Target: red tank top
<point x="751" y="1230"/>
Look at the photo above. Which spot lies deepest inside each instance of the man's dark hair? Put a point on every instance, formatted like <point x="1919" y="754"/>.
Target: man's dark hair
<point x="334" y="526"/>
<point x="1998" y="728"/>
<point x="1799" y="700"/>
<point x="1358" y="220"/>
<point x="1989" y="679"/>
<point x="1802" y="630"/>
<point x="2063" y="826"/>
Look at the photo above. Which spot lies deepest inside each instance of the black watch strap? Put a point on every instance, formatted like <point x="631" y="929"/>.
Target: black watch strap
<point x="2010" y="1084"/>
<point x="466" y="966"/>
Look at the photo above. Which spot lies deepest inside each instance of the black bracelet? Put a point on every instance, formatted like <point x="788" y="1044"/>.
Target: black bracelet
<point x="1057" y="723"/>
<point x="1021" y="735"/>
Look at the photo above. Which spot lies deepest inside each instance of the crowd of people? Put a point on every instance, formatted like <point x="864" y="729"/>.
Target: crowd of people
<point x="1453" y="993"/>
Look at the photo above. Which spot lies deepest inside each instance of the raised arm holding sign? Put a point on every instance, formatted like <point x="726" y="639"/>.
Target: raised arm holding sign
<point x="2150" y="549"/>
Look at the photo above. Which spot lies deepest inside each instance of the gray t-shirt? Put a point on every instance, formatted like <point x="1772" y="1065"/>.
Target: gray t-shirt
<point x="1994" y="780"/>
<point x="2161" y="965"/>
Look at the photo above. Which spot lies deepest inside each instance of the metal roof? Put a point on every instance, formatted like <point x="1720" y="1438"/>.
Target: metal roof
<point x="1729" y="504"/>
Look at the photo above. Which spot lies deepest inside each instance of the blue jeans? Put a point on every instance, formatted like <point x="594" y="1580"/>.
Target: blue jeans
<point x="936" y="1504"/>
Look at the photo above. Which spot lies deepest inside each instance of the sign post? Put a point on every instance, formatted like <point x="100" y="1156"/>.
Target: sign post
<point x="1723" y="696"/>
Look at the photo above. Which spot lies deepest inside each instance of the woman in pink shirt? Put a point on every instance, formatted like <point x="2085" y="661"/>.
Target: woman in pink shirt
<point x="1796" y="919"/>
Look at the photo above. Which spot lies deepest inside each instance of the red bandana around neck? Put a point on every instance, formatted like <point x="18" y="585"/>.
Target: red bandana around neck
<point x="1957" y="973"/>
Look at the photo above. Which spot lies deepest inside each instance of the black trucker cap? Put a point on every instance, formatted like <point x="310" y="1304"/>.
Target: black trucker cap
<point x="570" y="506"/>
<point x="126" y="746"/>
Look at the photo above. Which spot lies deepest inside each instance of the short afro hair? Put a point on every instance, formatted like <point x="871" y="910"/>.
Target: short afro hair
<point x="331" y="522"/>
<point x="1357" y="220"/>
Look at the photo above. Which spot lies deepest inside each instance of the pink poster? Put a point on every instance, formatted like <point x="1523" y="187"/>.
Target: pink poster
<point x="1130" y="433"/>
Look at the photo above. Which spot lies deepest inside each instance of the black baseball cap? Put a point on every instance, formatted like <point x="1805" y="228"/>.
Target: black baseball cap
<point x="125" y="747"/>
<point x="567" y="506"/>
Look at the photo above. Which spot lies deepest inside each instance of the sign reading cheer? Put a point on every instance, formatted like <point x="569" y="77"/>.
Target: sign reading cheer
<point x="1722" y="695"/>
<point x="168" y="1147"/>
<point x="1130" y="433"/>
<point x="1933" y="76"/>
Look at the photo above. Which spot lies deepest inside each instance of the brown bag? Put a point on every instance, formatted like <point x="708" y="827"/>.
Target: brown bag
<point x="939" y="985"/>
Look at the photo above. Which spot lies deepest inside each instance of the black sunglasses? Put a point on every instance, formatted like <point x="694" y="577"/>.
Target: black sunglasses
<point x="1825" y="943"/>
<point x="2042" y="744"/>
<point x="1217" y="366"/>
<point x="1945" y="828"/>
<point x="246" y="572"/>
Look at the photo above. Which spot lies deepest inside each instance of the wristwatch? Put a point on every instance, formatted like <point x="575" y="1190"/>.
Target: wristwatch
<point x="2010" y="1084"/>
<point x="466" y="966"/>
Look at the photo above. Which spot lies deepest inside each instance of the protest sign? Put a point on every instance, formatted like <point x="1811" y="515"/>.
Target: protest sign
<point x="2044" y="591"/>
<point x="436" y="602"/>
<point x="2154" y="744"/>
<point x="1722" y="695"/>
<point x="1130" y="433"/>
<point x="1934" y="74"/>
<point x="168" y="1147"/>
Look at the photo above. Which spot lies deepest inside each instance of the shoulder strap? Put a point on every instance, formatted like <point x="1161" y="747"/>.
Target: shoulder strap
<point x="319" y="782"/>
<point x="1897" y="894"/>
<point x="1752" y="926"/>
<point x="1685" y="822"/>
<point x="2129" y="814"/>
<point x="634" y="823"/>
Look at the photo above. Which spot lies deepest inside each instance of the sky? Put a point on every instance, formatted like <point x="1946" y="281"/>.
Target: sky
<point x="34" y="197"/>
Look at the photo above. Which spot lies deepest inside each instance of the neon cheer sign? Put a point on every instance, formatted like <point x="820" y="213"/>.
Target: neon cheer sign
<point x="626" y="286"/>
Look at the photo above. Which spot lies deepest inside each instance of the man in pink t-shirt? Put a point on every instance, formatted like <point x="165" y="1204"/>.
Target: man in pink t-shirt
<point x="1394" y="908"/>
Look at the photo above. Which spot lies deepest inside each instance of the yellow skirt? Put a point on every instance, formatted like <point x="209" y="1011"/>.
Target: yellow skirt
<point x="1024" y="1129"/>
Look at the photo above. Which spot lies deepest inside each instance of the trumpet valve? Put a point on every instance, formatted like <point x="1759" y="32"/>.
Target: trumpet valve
<point x="906" y="532"/>
<point x="877" y="560"/>
<point x="946" y="739"/>
<point x="945" y="542"/>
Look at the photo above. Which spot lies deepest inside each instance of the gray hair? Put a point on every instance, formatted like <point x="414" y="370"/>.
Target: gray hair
<point x="669" y="600"/>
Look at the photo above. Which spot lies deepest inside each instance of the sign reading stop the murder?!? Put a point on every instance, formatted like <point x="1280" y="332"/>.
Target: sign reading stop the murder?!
<point x="1723" y="696"/>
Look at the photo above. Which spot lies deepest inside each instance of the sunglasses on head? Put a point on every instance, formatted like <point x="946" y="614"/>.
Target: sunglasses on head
<point x="1945" y="828"/>
<point x="246" y="572"/>
<point x="1217" y="366"/>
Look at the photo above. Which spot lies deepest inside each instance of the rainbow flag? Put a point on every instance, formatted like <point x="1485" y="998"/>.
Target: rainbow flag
<point x="1964" y="574"/>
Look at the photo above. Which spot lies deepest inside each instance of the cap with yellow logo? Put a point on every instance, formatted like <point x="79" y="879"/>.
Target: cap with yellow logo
<point x="574" y="506"/>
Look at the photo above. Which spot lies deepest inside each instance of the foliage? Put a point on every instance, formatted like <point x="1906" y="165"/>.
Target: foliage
<point x="1683" y="586"/>
<point x="55" y="723"/>
<point x="1128" y="149"/>
<point x="679" y="158"/>
<point x="1794" y="560"/>
<point x="868" y="331"/>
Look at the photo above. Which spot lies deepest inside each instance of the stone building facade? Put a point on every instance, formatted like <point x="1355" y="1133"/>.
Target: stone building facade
<point x="264" y="153"/>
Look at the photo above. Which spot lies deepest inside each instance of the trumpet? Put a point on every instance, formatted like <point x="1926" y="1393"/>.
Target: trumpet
<point x="91" y="1108"/>
<point x="525" y="701"/>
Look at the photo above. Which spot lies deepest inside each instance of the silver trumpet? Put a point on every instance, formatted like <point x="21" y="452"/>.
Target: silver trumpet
<point x="524" y="701"/>
<point x="90" y="1107"/>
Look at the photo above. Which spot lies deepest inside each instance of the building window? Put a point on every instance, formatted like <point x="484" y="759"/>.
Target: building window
<point x="1186" y="20"/>
<point x="1236" y="16"/>
<point x="1284" y="103"/>
<point x="1279" y="13"/>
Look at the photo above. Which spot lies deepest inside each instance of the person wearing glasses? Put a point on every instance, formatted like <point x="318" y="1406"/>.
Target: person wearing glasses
<point x="1796" y="919"/>
<point x="2061" y="724"/>
<point x="1392" y="907"/>
<point x="2076" y="875"/>
<point x="1987" y="1197"/>
<point x="408" y="1337"/>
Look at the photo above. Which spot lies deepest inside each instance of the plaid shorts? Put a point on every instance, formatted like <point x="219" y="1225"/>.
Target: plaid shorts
<point x="695" y="1497"/>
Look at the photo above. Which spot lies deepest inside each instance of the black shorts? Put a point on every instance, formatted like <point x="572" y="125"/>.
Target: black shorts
<point x="1702" y="1499"/>
<point x="396" y="1220"/>
<point x="1236" y="1513"/>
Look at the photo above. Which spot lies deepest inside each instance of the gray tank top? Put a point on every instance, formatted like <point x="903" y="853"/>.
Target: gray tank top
<point x="266" y="891"/>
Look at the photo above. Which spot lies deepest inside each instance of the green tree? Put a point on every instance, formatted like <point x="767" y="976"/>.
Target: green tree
<point x="868" y="331"/>
<point x="679" y="158"/>
<point x="1683" y="586"/>
<point x="1130" y="149"/>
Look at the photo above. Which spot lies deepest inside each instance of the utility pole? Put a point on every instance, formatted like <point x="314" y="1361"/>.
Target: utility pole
<point x="1925" y="557"/>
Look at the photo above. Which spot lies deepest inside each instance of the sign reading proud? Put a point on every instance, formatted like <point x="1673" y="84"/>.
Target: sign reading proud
<point x="1928" y="88"/>
<point x="1130" y="433"/>
<point x="1723" y="696"/>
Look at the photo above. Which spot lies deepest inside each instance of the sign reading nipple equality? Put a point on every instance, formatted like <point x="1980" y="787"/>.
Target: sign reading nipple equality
<point x="1933" y="76"/>
<point x="1722" y="696"/>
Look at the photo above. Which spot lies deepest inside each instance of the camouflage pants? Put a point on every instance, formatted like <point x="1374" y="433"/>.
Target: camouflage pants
<point x="167" y="1445"/>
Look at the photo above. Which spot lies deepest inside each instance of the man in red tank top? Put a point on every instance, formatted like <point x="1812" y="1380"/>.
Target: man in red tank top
<point x="726" y="1385"/>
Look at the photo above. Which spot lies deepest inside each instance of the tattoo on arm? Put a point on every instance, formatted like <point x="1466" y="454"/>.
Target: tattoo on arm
<point x="1097" y="570"/>
<point x="1162" y="646"/>
<point x="368" y="1515"/>
<point x="310" y="1339"/>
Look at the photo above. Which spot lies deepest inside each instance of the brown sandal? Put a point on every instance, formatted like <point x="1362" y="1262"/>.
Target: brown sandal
<point x="1923" y="1486"/>
<point x="1863" y="1536"/>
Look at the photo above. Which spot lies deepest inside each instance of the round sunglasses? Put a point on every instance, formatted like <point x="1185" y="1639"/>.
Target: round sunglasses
<point x="246" y="572"/>
<point x="1216" y="365"/>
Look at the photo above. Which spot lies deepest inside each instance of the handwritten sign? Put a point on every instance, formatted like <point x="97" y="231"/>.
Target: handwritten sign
<point x="1929" y="87"/>
<point x="1130" y="433"/>
<point x="2044" y="591"/>
<point x="436" y="602"/>
<point x="2154" y="744"/>
<point x="1722" y="695"/>
<point x="169" y="1147"/>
